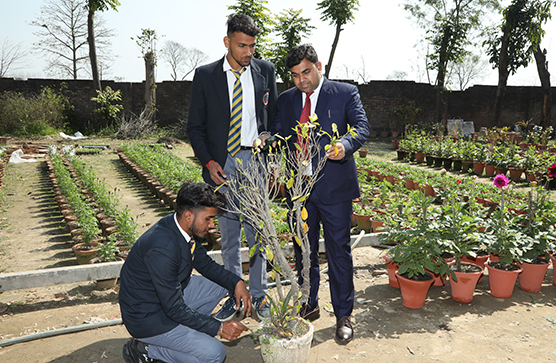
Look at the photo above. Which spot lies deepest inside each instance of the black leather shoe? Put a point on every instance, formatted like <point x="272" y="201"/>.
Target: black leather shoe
<point x="308" y="313"/>
<point x="344" y="330"/>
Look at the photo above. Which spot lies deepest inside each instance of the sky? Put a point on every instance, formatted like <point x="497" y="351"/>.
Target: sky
<point x="382" y="40"/>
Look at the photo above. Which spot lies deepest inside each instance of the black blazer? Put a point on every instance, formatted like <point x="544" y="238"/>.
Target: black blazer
<point x="209" y="109"/>
<point x="153" y="277"/>
<point x="338" y="103"/>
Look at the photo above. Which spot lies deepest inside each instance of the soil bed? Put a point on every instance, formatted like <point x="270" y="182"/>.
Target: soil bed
<point x="33" y="236"/>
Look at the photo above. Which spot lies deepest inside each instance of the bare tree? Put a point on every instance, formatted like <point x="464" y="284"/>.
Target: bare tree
<point x="62" y="32"/>
<point x="182" y="60"/>
<point x="11" y="56"/>
<point x="397" y="76"/>
<point x="470" y="68"/>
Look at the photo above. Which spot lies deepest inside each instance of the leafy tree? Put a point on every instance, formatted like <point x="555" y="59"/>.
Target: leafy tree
<point x="261" y="15"/>
<point x="62" y="36"/>
<point x="512" y="44"/>
<point x="11" y="56"/>
<point x="449" y="24"/>
<point x="292" y="28"/>
<point x="339" y="13"/>
<point x="182" y="60"/>
<point x="92" y="7"/>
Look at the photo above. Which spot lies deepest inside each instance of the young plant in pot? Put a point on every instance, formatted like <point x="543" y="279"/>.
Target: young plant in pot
<point x="252" y="198"/>
<point x="458" y="222"/>
<point x="505" y="238"/>
<point x="418" y="250"/>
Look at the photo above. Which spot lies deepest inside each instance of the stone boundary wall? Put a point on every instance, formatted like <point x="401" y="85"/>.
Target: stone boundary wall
<point x="378" y="97"/>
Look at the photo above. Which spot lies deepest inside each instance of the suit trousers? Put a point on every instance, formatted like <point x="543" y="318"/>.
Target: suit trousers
<point x="230" y="228"/>
<point x="336" y="223"/>
<point x="183" y="344"/>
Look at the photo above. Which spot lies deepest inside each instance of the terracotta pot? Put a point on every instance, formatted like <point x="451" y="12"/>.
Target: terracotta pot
<point x="420" y="158"/>
<point x="437" y="279"/>
<point x="479" y="260"/>
<point x="364" y="222"/>
<point x="463" y="288"/>
<point x="395" y="144"/>
<point x="395" y="133"/>
<point x="384" y="134"/>
<point x="515" y="174"/>
<point x="489" y="170"/>
<point x="391" y="179"/>
<point x="409" y="184"/>
<point x="501" y="170"/>
<point x="414" y="292"/>
<point x="530" y="176"/>
<point x="501" y="282"/>
<point x="85" y="256"/>
<point x="363" y="153"/>
<point x="391" y="267"/>
<point x="478" y="168"/>
<point x="376" y="225"/>
<point x="532" y="276"/>
<point x="429" y="191"/>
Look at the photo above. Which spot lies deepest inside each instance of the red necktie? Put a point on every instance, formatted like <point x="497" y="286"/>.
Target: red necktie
<point x="305" y="116"/>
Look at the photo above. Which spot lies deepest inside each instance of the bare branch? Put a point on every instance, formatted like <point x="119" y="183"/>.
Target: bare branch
<point x="12" y="56"/>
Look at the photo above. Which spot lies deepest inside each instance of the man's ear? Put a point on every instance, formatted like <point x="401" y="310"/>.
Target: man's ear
<point x="227" y="42"/>
<point x="319" y="66"/>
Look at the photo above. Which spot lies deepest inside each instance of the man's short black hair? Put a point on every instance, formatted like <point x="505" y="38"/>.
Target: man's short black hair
<point x="242" y="23"/>
<point x="198" y="196"/>
<point x="297" y="54"/>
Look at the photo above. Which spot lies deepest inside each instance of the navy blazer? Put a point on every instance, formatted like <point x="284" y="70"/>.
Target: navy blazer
<point x="153" y="277"/>
<point x="208" y="124"/>
<point x="337" y="103"/>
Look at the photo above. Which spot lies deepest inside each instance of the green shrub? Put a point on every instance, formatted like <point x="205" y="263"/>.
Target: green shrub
<point x="26" y="115"/>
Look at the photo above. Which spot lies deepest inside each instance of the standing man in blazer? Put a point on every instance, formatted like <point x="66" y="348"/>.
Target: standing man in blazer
<point x="331" y="197"/>
<point x="233" y="101"/>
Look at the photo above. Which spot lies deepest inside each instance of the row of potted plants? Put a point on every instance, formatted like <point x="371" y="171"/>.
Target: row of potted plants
<point x="115" y="221"/>
<point x="516" y="242"/>
<point x="464" y="154"/>
<point x="165" y="167"/>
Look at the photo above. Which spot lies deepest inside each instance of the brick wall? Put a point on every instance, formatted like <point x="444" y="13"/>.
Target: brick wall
<point x="378" y="97"/>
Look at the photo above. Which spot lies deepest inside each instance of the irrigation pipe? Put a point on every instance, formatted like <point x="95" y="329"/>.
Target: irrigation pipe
<point x="55" y="332"/>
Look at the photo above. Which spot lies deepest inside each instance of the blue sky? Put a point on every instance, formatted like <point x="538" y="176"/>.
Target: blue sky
<point x="382" y="36"/>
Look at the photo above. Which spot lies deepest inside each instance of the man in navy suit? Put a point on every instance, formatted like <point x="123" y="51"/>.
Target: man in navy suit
<point x="213" y="106"/>
<point x="331" y="198"/>
<point x="166" y="309"/>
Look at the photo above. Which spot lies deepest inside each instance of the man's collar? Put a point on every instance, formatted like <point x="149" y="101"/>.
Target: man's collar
<point x="184" y="233"/>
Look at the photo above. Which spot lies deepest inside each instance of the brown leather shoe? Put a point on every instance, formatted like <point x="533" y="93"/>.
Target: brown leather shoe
<point x="344" y="330"/>
<point x="308" y="314"/>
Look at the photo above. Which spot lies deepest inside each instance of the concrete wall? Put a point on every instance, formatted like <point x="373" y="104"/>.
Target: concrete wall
<point x="378" y="97"/>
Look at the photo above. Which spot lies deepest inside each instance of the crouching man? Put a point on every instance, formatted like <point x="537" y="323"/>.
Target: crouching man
<point x="166" y="309"/>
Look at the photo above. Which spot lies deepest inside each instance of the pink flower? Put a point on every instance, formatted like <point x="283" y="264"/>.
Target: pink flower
<point x="501" y="181"/>
<point x="442" y="170"/>
<point x="552" y="171"/>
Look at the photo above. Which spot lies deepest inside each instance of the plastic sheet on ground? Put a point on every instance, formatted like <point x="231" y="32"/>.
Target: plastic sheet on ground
<point x="17" y="158"/>
<point x="78" y="135"/>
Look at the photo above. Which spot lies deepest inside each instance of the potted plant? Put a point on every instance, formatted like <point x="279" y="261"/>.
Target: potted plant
<point x="251" y="197"/>
<point x="417" y="251"/>
<point x="504" y="237"/>
<point x="108" y="252"/>
<point x="458" y="222"/>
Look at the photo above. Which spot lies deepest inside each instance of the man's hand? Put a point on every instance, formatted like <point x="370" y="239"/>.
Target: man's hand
<point x="242" y="294"/>
<point x="232" y="329"/>
<point x="260" y="142"/>
<point x="331" y="152"/>
<point x="217" y="173"/>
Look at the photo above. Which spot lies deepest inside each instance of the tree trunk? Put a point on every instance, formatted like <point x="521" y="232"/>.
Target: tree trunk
<point x="150" y="86"/>
<point x="333" y="50"/>
<point x="502" y="76"/>
<point x="544" y="75"/>
<point x="93" y="50"/>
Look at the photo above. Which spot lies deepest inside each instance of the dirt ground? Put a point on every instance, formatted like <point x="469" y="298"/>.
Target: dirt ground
<point x="32" y="236"/>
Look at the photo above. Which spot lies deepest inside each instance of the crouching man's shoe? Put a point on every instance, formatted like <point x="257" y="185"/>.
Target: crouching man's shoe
<point x="135" y="351"/>
<point x="344" y="330"/>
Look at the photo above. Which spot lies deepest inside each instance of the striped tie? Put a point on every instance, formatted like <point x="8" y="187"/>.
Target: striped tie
<point x="234" y="136"/>
<point x="192" y="243"/>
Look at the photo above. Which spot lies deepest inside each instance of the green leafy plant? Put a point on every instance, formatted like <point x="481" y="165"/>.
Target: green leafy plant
<point x="107" y="105"/>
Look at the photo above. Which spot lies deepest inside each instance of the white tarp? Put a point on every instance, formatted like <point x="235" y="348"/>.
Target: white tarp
<point x="78" y="135"/>
<point x="16" y="158"/>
